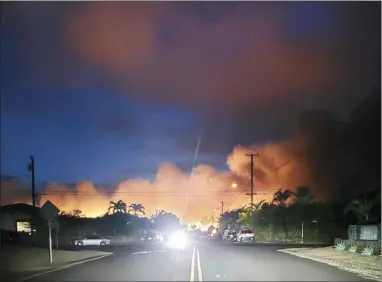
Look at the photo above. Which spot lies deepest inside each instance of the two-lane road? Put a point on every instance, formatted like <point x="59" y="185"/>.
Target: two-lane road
<point x="200" y="262"/>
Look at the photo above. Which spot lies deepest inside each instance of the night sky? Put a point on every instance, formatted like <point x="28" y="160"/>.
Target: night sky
<point x="105" y="92"/>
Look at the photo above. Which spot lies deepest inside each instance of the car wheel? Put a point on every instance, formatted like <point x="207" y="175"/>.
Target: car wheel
<point x="80" y="243"/>
<point x="103" y="243"/>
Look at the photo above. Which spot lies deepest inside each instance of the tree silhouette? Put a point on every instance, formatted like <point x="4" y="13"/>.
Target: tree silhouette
<point x="303" y="195"/>
<point x="281" y="197"/>
<point x="117" y="207"/>
<point x="255" y="206"/>
<point x="165" y="221"/>
<point x="137" y="208"/>
<point x="362" y="208"/>
<point x="76" y="213"/>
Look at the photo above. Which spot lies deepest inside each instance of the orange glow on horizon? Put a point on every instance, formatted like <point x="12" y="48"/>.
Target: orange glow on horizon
<point x="168" y="191"/>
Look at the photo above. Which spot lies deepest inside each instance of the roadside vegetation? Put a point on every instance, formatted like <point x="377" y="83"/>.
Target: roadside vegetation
<point x="297" y="216"/>
<point x="120" y="220"/>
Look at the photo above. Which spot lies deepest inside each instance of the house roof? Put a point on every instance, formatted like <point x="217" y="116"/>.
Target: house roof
<point x="20" y="207"/>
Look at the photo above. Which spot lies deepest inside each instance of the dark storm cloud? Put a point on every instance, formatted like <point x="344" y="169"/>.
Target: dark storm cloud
<point x="253" y="67"/>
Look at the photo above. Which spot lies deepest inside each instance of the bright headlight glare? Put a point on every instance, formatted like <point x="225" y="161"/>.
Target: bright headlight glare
<point x="178" y="239"/>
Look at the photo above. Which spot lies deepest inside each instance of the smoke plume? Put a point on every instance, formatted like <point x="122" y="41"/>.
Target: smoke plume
<point x="326" y="155"/>
<point x="206" y="188"/>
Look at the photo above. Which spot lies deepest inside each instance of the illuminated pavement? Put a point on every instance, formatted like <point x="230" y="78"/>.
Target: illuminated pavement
<point x="210" y="262"/>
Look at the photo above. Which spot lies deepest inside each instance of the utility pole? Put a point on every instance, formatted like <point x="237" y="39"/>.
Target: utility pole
<point x="252" y="155"/>
<point x="31" y="169"/>
<point x="222" y="207"/>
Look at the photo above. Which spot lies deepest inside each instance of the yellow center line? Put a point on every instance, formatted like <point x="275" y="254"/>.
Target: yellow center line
<point x="192" y="275"/>
<point x="199" y="267"/>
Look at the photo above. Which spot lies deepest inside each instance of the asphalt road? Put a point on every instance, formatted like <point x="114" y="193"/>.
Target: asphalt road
<point x="200" y="262"/>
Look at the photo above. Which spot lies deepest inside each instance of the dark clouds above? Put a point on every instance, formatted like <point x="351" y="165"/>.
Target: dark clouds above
<point x="296" y="46"/>
<point x="240" y="72"/>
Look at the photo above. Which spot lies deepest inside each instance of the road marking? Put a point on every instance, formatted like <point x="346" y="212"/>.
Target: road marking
<point x="63" y="267"/>
<point x="174" y="278"/>
<point x="149" y="252"/>
<point x="196" y="256"/>
<point x="199" y="266"/>
<point x="192" y="275"/>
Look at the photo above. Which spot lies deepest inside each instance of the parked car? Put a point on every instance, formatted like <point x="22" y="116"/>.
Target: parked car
<point x="245" y="235"/>
<point x="93" y="240"/>
<point x="229" y="235"/>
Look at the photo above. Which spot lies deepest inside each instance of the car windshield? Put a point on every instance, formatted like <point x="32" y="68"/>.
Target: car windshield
<point x="246" y="231"/>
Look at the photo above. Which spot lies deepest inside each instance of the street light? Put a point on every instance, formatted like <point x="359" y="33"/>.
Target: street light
<point x="234" y="185"/>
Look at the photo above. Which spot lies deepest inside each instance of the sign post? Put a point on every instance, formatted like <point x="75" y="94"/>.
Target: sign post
<point x="56" y="227"/>
<point x="50" y="241"/>
<point x="49" y="212"/>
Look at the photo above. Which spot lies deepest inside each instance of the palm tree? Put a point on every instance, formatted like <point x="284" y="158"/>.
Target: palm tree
<point x="137" y="208"/>
<point x="362" y="208"/>
<point x="303" y="195"/>
<point x="117" y="207"/>
<point x="255" y="206"/>
<point x="245" y="218"/>
<point x="157" y="213"/>
<point x="281" y="197"/>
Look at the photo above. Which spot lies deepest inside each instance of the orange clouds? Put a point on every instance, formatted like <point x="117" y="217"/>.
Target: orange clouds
<point x="236" y="59"/>
<point x="192" y="199"/>
<point x="114" y="34"/>
<point x="168" y="191"/>
<point x="276" y="166"/>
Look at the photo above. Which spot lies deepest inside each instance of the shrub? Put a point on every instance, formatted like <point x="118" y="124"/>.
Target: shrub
<point x="341" y="246"/>
<point x="368" y="251"/>
<point x="353" y="248"/>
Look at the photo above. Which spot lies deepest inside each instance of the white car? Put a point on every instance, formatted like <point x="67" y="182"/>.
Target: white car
<point x="93" y="240"/>
<point x="245" y="235"/>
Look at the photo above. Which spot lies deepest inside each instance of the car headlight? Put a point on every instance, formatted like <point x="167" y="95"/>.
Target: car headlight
<point x="177" y="240"/>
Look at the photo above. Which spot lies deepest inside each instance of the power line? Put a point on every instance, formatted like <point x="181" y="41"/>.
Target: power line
<point x="141" y="193"/>
<point x="152" y="192"/>
<point x="268" y="173"/>
<point x="169" y="193"/>
<point x="277" y="168"/>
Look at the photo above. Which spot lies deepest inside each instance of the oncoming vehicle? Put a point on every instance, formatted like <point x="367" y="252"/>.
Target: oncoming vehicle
<point x="178" y="240"/>
<point x="152" y="236"/>
<point x="93" y="240"/>
<point x="245" y="235"/>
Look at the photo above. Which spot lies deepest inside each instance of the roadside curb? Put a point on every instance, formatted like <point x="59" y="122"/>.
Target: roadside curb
<point x="324" y="261"/>
<point x="49" y="267"/>
<point x="64" y="266"/>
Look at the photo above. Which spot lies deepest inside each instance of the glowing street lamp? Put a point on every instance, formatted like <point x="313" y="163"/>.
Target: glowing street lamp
<point x="234" y="185"/>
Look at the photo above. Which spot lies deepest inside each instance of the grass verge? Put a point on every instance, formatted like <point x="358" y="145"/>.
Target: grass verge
<point x="365" y="266"/>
